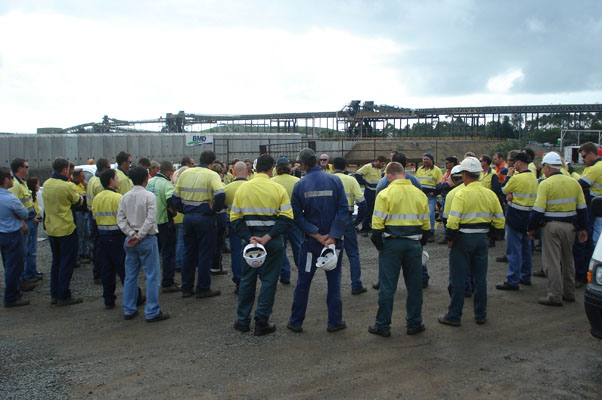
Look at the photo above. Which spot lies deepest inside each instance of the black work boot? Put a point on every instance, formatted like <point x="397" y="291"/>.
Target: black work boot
<point x="264" y="328"/>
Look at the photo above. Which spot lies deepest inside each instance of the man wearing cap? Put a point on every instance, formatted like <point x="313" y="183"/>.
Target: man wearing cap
<point x="399" y="225"/>
<point x="369" y="175"/>
<point x="292" y="235"/>
<point x="260" y="213"/>
<point x="326" y="167"/>
<point x="160" y="185"/>
<point x="560" y="207"/>
<point x="520" y="190"/>
<point x="430" y="175"/>
<point x="456" y="178"/>
<point x="321" y="209"/>
<point x="354" y="196"/>
<point x="475" y="213"/>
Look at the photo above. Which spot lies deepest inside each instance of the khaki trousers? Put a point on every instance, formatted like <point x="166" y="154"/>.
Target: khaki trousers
<point x="557" y="259"/>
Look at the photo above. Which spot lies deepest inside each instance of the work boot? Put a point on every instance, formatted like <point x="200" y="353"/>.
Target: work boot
<point x="264" y="328"/>
<point x="17" y="303"/>
<point x="171" y="289"/>
<point x="208" y="293"/>
<point x="546" y="301"/>
<point x="503" y="258"/>
<point x="69" y="301"/>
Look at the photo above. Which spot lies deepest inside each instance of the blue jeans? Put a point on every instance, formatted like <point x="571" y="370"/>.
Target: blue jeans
<point x="518" y="251"/>
<point x="398" y="254"/>
<point x="370" y="196"/>
<point x="179" y="246"/>
<point x="353" y="253"/>
<point x="11" y="247"/>
<point x="432" y="200"/>
<point x="64" y="254"/>
<point x="199" y="244"/>
<point x="235" y="255"/>
<point x="310" y="251"/>
<point x="31" y="246"/>
<point x="167" y="248"/>
<point x="293" y="235"/>
<point x="268" y="275"/>
<point x="81" y="221"/>
<point x="468" y="255"/>
<point x="145" y="255"/>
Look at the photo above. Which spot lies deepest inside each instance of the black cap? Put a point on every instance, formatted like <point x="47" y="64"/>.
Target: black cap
<point x="524" y="157"/>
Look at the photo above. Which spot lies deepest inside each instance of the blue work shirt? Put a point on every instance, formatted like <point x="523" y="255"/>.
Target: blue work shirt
<point x="320" y="204"/>
<point x="384" y="182"/>
<point x="11" y="207"/>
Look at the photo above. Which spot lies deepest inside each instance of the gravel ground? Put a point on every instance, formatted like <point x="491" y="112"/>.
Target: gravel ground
<point x="83" y="351"/>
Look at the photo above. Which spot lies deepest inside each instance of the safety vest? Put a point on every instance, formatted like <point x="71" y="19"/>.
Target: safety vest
<point x="22" y="192"/>
<point x="231" y="189"/>
<point x="352" y="190"/>
<point x="59" y="195"/>
<point x="94" y="188"/>
<point x="429" y="178"/>
<point x="287" y="181"/>
<point x="104" y="210"/>
<point x="371" y="176"/>
<point x="401" y="210"/>
<point x="474" y="209"/>
<point x="196" y="188"/>
<point x="592" y="176"/>
<point x="329" y="169"/>
<point x="260" y="202"/>
<point x="559" y="197"/>
<point x="125" y="183"/>
<point x="486" y="177"/>
<point x="523" y="187"/>
<point x="449" y="198"/>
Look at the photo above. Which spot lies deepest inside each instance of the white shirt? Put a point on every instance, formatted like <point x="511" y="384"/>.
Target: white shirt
<point x="137" y="213"/>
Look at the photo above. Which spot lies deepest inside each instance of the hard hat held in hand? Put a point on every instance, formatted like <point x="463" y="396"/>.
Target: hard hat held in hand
<point x="254" y="255"/>
<point x="328" y="258"/>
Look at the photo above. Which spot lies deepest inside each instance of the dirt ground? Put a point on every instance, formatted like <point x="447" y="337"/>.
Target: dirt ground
<point x="84" y="351"/>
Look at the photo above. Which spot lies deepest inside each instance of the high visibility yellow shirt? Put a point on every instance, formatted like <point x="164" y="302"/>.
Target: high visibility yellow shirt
<point x="287" y="181"/>
<point x="329" y="169"/>
<point x="231" y="189"/>
<point x="228" y="178"/>
<point x="486" y="177"/>
<point x="59" y="195"/>
<point x="22" y="192"/>
<point x="559" y="197"/>
<point x="592" y="177"/>
<point x="94" y="187"/>
<point x="260" y="203"/>
<point x="523" y="187"/>
<point x="196" y="187"/>
<point x="401" y="210"/>
<point x="449" y="198"/>
<point x="125" y="183"/>
<point x="474" y="209"/>
<point x="352" y="190"/>
<point x="533" y="168"/>
<point x="371" y="175"/>
<point x="429" y="178"/>
<point x="104" y="210"/>
<point x="79" y="188"/>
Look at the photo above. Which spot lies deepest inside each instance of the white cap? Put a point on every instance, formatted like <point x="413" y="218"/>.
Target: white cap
<point x="471" y="164"/>
<point x="552" y="158"/>
<point x="455" y="170"/>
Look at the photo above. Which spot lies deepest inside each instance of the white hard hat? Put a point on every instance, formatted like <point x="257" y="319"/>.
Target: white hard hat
<point x="328" y="258"/>
<point x="552" y="158"/>
<point x="471" y="164"/>
<point x="455" y="170"/>
<point x="254" y="255"/>
<point x="425" y="257"/>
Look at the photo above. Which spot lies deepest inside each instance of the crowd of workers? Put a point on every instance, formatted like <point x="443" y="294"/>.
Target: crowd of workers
<point x="152" y="215"/>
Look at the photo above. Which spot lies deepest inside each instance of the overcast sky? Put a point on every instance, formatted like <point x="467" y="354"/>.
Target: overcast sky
<point x="68" y="62"/>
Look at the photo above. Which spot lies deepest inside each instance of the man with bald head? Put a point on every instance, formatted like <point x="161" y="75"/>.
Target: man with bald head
<point x="239" y="173"/>
<point x="326" y="167"/>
